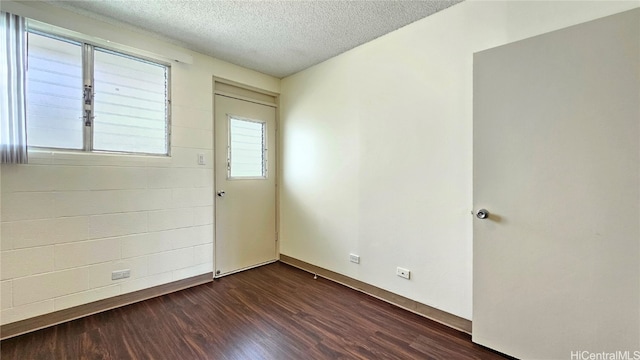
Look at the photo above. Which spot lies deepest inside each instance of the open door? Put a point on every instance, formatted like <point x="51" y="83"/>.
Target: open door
<point x="556" y="165"/>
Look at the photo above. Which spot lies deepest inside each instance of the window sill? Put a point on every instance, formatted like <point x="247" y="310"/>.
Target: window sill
<point x="79" y="158"/>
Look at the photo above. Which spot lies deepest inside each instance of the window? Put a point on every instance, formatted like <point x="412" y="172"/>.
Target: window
<point x="247" y="149"/>
<point x="54" y="93"/>
<point x="84" y="97"/>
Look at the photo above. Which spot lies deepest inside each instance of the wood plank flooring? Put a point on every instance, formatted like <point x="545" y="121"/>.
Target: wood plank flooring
<point x="272" y="312"/>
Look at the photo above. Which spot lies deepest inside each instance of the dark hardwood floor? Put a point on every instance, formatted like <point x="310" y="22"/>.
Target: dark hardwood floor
<point x="272" y="312"/>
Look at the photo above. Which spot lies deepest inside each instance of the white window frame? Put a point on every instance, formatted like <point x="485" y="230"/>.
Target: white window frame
<point x="88" y="46"/>
<point x="265" y="150"/>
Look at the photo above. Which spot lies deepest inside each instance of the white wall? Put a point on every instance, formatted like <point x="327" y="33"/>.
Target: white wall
<point x="377" y="148"/>
<point x="69" y="219"/>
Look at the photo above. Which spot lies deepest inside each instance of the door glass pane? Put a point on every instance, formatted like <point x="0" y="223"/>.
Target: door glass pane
<point x="130" y="104"/>
<point x="54" y="93"/>
<point x="247" y="148"/>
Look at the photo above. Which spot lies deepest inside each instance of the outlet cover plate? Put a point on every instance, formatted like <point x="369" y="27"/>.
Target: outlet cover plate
<point x="354" y="258"/>
<point x="120" y="274"/>
<point x="403" y="273"/>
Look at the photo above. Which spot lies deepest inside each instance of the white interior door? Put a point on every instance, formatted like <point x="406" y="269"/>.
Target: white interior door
<point x="556" y="163"/>
<point x="245" y="167"/>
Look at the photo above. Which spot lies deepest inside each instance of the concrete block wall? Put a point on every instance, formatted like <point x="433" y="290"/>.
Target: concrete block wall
<point x="70" y="219"/>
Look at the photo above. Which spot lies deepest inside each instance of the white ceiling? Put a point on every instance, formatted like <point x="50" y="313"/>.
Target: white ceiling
<point x="278" y="38"/>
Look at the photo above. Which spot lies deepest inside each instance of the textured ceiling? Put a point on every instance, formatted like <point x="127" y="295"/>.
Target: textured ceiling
<point x="278" y="38"/>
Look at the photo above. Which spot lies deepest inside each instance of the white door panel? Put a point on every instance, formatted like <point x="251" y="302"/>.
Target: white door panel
<point x="245" y="203"/>
<point x="556" y="162"/>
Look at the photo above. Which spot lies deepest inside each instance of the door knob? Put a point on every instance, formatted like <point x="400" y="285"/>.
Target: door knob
<point x="221" y="193"/>
<point x="482" y="214"/>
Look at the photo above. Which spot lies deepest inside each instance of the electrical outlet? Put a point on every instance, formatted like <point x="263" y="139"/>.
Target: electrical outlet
<point x="201" y="160"/>
<point x="354" y="258"/>
<point x="120" y="274"/>
<point x="403" y="273"/>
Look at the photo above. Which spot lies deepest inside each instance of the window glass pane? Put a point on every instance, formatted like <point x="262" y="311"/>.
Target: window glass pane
<point x="246" y="148"/>
<point x="129" y="105"/>
<point x="54" y="93"/>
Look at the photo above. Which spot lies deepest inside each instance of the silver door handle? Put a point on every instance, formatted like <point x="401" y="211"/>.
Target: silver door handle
<point x="482" y="214"/>
<point x="221" y="193"/>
